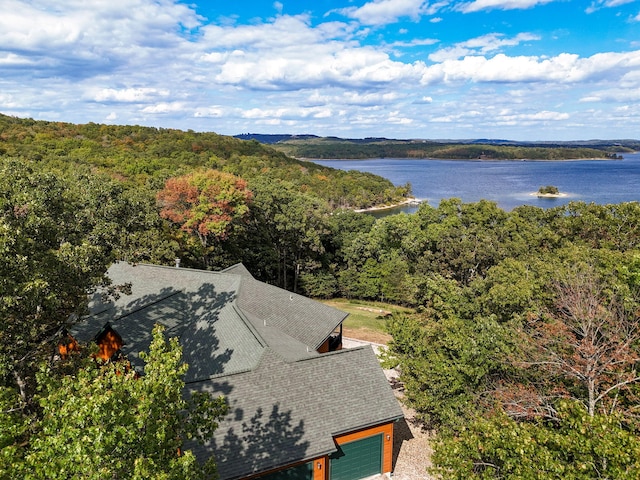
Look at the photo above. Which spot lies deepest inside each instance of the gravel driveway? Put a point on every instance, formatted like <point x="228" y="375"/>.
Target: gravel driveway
<point x="411" y="447"/>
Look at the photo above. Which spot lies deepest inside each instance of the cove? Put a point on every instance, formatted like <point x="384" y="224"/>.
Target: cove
<point x="509" y="183"/>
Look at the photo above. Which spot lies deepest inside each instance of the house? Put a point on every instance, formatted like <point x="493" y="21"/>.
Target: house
<point x="300" y="406"/>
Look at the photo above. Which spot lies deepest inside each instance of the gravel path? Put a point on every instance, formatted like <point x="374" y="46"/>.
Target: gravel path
<point x="411" y="447"/>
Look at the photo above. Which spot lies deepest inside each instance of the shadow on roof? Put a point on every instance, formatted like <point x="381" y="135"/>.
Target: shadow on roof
<point x="262" y="439"/>
<point x="195" y="316"/>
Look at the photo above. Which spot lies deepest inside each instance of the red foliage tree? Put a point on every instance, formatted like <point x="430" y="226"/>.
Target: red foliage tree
<point x="205" y="203"/>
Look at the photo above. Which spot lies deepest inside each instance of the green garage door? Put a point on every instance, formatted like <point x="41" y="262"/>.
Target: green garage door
<point x="358" y="459"/>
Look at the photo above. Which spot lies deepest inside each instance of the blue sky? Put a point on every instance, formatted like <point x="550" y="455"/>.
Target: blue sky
<point x="514" y="69"/>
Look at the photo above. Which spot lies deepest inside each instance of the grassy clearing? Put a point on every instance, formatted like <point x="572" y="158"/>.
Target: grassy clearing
<point x="366" y="319"/>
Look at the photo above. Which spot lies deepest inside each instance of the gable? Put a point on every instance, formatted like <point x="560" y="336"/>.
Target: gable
<point x="308" y="321"/>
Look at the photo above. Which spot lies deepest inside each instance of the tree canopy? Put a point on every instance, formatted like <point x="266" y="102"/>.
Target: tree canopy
<point x="107" y="421"/>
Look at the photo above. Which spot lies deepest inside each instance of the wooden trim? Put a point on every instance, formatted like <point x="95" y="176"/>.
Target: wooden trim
<point x="321" y="473"/>
<point x="324" y="348"/>
<point x="109" y="342"/>
<point x="386" y="430"/>
<point x="67" y="345"/>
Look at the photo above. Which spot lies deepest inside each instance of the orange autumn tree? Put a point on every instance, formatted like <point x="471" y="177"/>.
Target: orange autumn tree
<point x="205" y="203"/>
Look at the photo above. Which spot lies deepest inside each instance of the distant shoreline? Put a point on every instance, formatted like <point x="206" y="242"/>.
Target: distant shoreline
<point x="307" y="159"/>
<point x="376" y="208"/>
<point x="548" y="195"/>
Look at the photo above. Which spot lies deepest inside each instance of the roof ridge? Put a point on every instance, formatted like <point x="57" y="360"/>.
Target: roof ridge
<point x="147" y="305"/>
<point x="172" y="267"/>
<point x="335" y="353"/>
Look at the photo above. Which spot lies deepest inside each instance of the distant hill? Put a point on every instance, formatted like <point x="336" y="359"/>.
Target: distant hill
<point x="272" y="138"/>
<point x="594" y="143"/>
<point x="312" y="146"/>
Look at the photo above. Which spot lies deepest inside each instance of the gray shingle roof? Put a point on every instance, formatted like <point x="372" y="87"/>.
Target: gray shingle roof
<point x="196" y="306"/>
<point x="255" y="344"/>
<point x="283" y="412"/>
<point x="308" y="321"/>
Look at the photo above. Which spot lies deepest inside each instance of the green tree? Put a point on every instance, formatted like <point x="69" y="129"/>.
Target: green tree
<point x="49" y="267"/>
<point x="286" y="232"/>
<point x="463" y="240"/>
<point x="548" y="190"/>
<point x="108" y="422"/>
<point x="123" y="218"/>
<point x="319" y="285"/>
<point x="449" y="365"/>
<point x="575" y="446"/>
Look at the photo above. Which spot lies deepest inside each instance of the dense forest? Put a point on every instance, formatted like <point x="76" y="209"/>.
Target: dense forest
<point x="522" y="352"/>
<point x="147" y="156"/>
<point x="309" y="146"/>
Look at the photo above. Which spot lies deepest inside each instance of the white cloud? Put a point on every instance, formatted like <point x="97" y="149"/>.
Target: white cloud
<point x="74" y="38"/>
<point x="129" y="94"/>
<point x="164" y="107"/>
<point x="564" y="68"/>
<point x="418" y="42"/>
<point x="210" y="112"/>
<point x="383" y="12"/>
<point x="614" y="95"/>
<point x="324" y="113"/>
<point x="598" y="4"/>
<point x="480" y="45"/>
<point x="369" y="99"/>
<point x="478" y="5"/>
<point x="615" y="3"/>
<point x="398" y="119"/>
<point x="544" y="115"/>
<point x="8" y="101"/>
<point x="591" y="98"/>
<point x="285" y="113"/>
<point x="333" y="64"/>
<point x="157" y="62"/>
<point x="503" y="117"/>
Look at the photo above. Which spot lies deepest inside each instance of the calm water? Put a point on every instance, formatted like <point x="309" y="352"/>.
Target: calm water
<point x="508" y="183"/>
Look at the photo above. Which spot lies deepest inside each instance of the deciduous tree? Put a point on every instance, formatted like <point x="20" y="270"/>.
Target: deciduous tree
<point x="588" y="338"/>
<point x="285" y="233"/>
<point x="106" y="421"/>
<point x="206" y="203"/>
<point x="49" y="266"/>
<point x="575" y="446"/>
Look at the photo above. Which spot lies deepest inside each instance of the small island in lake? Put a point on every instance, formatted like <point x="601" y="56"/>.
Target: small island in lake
<point x="549" y="191"/>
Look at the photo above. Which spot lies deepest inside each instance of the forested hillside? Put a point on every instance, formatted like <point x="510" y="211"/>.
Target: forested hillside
<point x="143" y="155"/>
<point x="75" y="198"/>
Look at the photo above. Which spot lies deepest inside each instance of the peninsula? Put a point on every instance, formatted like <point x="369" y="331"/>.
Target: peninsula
<point x="311" y="146"/>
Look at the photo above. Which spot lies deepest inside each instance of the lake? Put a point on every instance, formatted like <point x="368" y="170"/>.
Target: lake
<point x="508" y="183"/>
